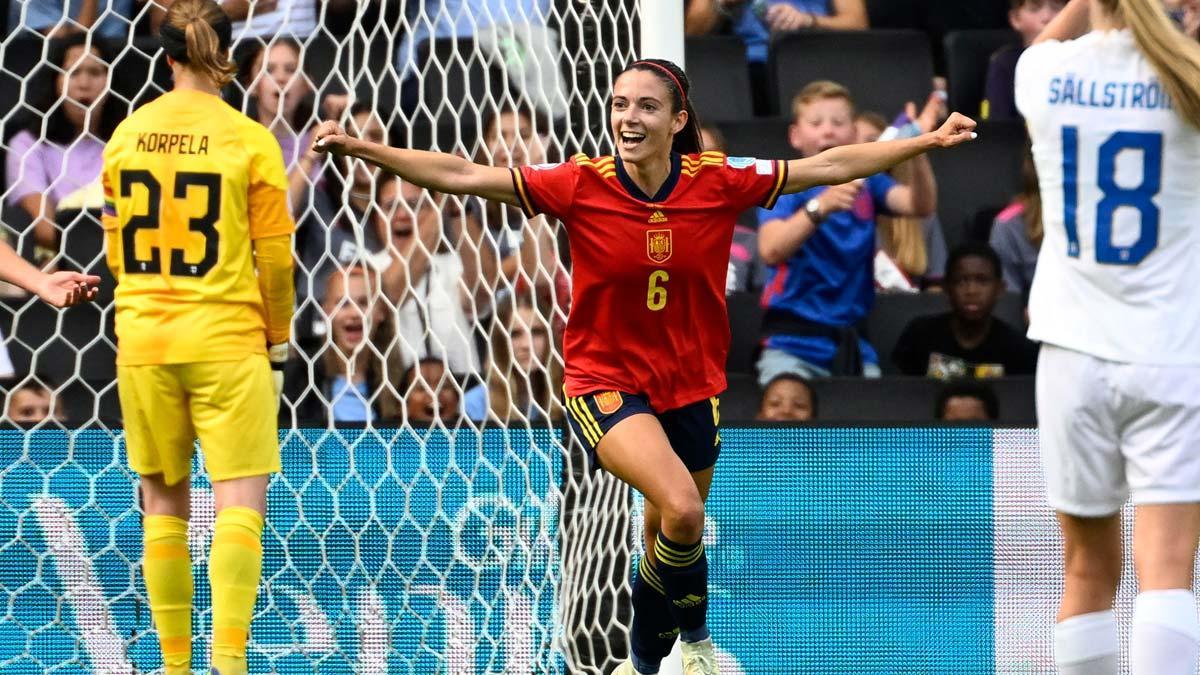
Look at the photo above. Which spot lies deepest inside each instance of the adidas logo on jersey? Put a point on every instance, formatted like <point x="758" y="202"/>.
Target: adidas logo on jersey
<point x="658" y="217"/>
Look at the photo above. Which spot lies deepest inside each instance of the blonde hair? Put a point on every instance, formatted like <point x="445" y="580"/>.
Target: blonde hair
<point x="820" y="91"/>
<point x="508" y="394"/>
<point x="195" y="19"/>
<point x="1175" y="57"/>
<point x="903" y="237"/>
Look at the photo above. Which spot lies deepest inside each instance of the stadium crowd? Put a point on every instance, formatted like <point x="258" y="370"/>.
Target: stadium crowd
<point x="413" y="306"/>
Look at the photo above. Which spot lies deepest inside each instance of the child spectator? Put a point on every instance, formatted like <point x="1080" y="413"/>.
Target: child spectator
<point x="428" y="283"/>
<point x="746" y="269"/>
<point x="1017" y="232"/>
<point x="430" y="393"/>
<point x="821" y="244"/>
<point x="966" y="341"/>
<point x="78" y="118"/>
<point x="787" y="398"/>
<point x="524" y="375"/>
<point x="345" y="380"/>
<point x="1027" y="17"/>
<point x="966" y="401"/>
<point x="915" y="247"/>
<point x="31" y="402"/>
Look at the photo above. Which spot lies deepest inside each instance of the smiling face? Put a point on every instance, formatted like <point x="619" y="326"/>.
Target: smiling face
<point x="83" y="82"/>
<point x="643" y="123"/>
<point x="786" y="400"/>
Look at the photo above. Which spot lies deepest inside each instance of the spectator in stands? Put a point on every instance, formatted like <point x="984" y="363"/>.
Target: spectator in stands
<point x="524" y="375"/>
<point x="345" y="380"/>
<point x="427" y="282"/>
<point x="821" y="244"/>
<point x="1027" y="17"/>
<point x="967" y="401"/>
<point x="911" y="251"/>
<point x="55" y="18"/>
<point x="430" y="393"/>
<point x="266" y="18"/>
<point x="333" y="215"/>
<point x="281" y="97"/>
<point x="31" y="402"/>
<point x="512" y="249"/>
<point x="756" y="20"/>
<point x="1017" y="232"/>
<point x="701" y="17"/>
<point x="968" y="340"/>
<point x="1186" y="14"/>
<point x="60" y="152"/>
<point x="787" y="398"/>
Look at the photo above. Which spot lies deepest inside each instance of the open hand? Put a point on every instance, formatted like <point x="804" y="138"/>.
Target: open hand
<point x="64" y="289"/>
<point x="958" y="129"/>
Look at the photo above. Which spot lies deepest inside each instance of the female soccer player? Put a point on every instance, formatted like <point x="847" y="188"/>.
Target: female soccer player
<point x="60" y="289"/>
<point x="1114" y="115"/>
<point x="199" y="240"/>
<point x="648" y="332"/>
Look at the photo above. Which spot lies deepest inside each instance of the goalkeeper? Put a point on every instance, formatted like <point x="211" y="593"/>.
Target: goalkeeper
<point x="199" y="239"/>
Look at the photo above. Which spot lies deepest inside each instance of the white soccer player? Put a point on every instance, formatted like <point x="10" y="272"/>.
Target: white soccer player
<point x="1114" y="115"/>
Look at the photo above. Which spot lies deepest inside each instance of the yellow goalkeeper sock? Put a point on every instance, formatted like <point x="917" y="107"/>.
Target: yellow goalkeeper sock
<point x="168" y="570"/>
<point x="234" y="570"/>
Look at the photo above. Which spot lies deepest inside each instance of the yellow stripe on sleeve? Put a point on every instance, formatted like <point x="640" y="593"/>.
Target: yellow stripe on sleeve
<point x="522" y="193"/>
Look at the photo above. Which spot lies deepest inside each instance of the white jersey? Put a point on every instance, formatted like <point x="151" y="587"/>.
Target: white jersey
<point x="1118" y="276"/>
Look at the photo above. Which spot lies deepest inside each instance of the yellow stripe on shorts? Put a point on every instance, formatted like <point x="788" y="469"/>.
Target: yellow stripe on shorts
<point x="574" y="404"/>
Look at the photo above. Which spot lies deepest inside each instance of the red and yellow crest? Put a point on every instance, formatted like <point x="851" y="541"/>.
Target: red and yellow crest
<point x="658" y="245"/>
<point x="607" y="402"/>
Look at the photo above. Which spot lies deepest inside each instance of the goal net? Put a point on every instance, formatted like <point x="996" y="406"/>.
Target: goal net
<point x="431" y="516"/>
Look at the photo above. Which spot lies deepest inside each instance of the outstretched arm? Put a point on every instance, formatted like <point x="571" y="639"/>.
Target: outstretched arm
<point x="441" y="172"/>
<point x="848" y="162"/>
<point x="61" y="289"/>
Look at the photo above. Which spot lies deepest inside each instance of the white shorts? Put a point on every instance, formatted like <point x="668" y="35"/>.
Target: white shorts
<point x="1113" y="430"/>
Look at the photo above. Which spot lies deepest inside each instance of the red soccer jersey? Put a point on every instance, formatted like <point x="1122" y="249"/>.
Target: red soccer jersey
<point x="648" y="282"/>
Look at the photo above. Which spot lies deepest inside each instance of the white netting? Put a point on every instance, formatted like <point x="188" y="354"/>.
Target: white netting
<point x="415" y="311"/>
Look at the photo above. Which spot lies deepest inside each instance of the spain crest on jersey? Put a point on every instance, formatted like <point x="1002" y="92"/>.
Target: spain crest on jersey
<point x="658" y="245"/>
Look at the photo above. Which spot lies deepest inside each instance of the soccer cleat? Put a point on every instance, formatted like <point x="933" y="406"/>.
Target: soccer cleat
<point x="699" y="658"/>
<point x="626" y="668"/>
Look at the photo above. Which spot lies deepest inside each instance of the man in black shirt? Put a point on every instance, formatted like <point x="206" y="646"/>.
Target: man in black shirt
<point x="967" y="341"/>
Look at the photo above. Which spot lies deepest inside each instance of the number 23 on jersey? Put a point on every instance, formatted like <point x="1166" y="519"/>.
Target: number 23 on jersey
<point x="203" y="223"/>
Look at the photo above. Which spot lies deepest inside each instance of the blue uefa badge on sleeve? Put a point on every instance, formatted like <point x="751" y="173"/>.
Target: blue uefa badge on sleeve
<point x="740" y="162"/>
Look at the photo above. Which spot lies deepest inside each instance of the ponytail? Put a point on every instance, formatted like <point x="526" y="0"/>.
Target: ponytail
<point x="197" y="33"/>
<point x="687" y="141"/>
<point x="1175" y="57"/>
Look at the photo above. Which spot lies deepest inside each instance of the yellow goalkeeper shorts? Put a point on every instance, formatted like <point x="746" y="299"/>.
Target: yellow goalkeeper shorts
<point x="228" y="405"/>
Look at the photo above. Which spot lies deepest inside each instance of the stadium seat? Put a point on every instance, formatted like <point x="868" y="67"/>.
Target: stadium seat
<point x="745" y="327"/>
<point x="983" y="173"/>
<point x="883" y="69"/>
<point x="967" y="55"/>
<point x="893" y="311"/>
<point x="764" y="137"/>
<point x="720" y="78"/>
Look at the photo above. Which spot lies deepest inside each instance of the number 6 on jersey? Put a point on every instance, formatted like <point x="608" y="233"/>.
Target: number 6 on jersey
<point x="656" y="294"/>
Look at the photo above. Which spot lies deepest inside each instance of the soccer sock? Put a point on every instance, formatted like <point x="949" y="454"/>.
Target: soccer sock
<point x="1088" y="644"/>
<point x="1165" y="639"/>
<point x="683" y="569"/>
<point x="234" y="570"/>
<point x="167" y="566"/>
<point x="654" y="630"/>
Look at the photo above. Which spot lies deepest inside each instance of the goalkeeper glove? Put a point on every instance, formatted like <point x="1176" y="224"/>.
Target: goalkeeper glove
<point x="278" y="355"/>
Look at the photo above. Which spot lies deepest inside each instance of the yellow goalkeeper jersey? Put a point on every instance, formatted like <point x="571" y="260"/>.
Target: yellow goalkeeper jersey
<point x="189" y="183"/>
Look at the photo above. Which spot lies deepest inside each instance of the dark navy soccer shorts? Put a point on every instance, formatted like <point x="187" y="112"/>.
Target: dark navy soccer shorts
<point x="691" y="430"/>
